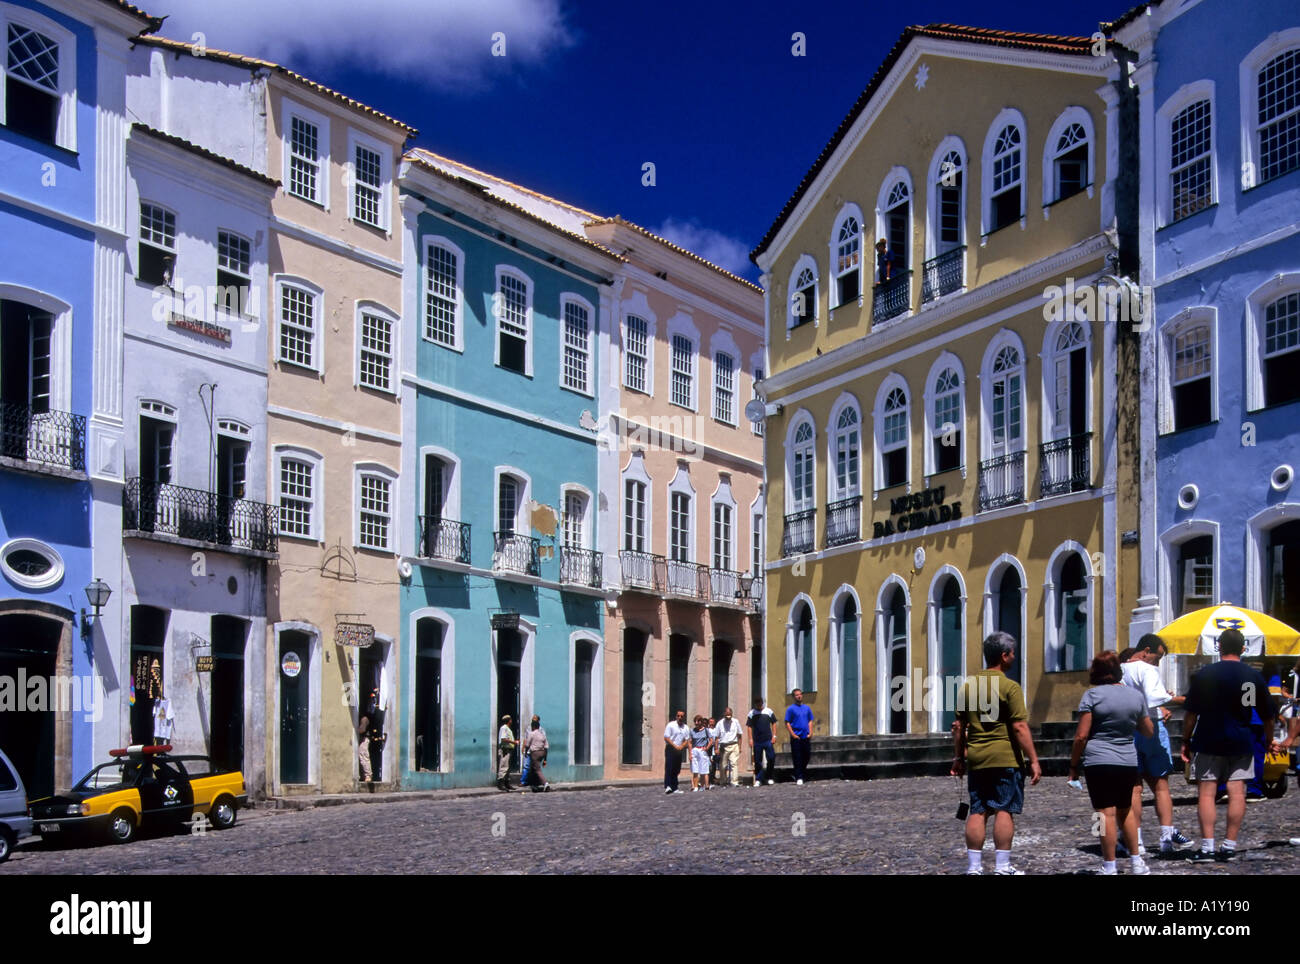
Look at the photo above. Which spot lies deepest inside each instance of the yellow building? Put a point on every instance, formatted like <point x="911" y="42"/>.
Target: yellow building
<point x="941" y="445"/>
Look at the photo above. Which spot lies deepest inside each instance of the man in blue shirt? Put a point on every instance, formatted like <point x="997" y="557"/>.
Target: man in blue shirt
<point x="798" y="720"/>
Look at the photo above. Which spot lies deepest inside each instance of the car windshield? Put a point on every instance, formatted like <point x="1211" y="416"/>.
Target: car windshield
<point x="111" y="776"/>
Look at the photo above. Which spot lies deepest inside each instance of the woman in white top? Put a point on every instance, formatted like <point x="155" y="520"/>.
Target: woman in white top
<point x="701" y="747"/>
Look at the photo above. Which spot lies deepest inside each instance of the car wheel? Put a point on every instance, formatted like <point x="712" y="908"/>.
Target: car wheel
<point x="121" y="826"/>
<point x="1274" y="788"/>
<point x="223" y="814"/>
<point x="6" y="844"/>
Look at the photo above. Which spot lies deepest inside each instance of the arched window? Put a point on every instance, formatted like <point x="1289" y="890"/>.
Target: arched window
<point x="894" y="643"/>
<point x="1278" y="127"/>
<point x="1005" y="177"/>
<point x="804" y="465"/>
<point x="801" y="498"/>
<point x="1187" y="369"/>
<point x="1068" y="166"/>
<point x="946" y="422"/>
<point x="844" y="495"/>
<point x="847" y="256"/>
<point x="1282" y="572"/>
<point x="802" y="640"/>
<point x="945" y="269"/>
<point x="949" y="220"/>
<point x="1281" y="355"/>
<point x="1069" y="637"/>
<point x="803" y="293"/>
<point x="847" y="440"/>
<point x="949" y="644"/>
<point x="897" y="226"/>
<point x="892" y="438"/>
<point x="1002" y="461"/>
<point x="847" y="663"/>
<point x="1066" y="453"/>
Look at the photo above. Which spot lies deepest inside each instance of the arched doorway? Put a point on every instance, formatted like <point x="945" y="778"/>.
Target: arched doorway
<point x="226" y="726"/>
<point x="895" y="641"/>
<point x="1072" y="638"/>
<point x="37" y="733"/>
<point x="803" y="649"/>
<point x="949" y="643"/>
<point x="634" y="650"/>
<point x="720" y="696"/>
<point x="679" y="675"/>
<point x="428" y="695"/>
<point x="850" y="679"/>
<point x="1007" y="617"/>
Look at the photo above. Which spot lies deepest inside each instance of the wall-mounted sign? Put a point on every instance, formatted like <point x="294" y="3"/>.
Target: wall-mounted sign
<point x="203" y="664"/>
<point x="290" y="665"/>
<point x="205" y="328"/>
<point x="354" y="634"/>
<point x="917" y="511"/>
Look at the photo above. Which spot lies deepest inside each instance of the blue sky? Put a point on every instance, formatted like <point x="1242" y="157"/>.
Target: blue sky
<point x="589" y="91"/>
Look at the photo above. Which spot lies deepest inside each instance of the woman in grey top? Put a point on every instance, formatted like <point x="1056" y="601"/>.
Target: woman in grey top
<point x="1109" y="714"/>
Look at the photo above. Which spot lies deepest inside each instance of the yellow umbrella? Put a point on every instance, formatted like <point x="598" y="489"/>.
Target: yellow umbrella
<point x="1199" y="632"/>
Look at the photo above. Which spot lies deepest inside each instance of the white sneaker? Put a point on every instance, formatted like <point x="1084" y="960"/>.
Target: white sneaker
<point x="1009" y="871"/>
<point x="1294" y="841"/>
<point x="1139" y="866"/>
<point x="668" y="789"/>
<point x="1109" y="871"/>
<point x="977" y="872"/>
<point x="770" y="782"/>
<point x="799" y="783"/>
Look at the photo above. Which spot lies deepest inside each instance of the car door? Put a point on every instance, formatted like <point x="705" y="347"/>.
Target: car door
<point x="166" y="798"/>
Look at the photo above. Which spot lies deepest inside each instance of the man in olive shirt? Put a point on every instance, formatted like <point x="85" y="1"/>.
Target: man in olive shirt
<point x="991" y="740"/>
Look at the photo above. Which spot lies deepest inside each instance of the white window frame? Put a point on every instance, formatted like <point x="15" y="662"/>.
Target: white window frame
<point x="1050" y="432"/>
<point x="1180" y="100"/>
<point x="805" y="261"/>
<point x="374" y="470"/>
<point x="945" y="361"/>
<point x="884" y="691"/>
<point x="502" y="270"/>
<point x="60" y="339"/>
<point x="1051" y="598"/>
<point x="288" y="110"/>
<point x="566" y="299"/>
<point x="1257" y="303"/>
<point x="1007" y="117"/>
<point x="681" y="485"/>
<point x="249" y="305"/>
<point x="65" y="131"/>
<point x="450" y="480"/>
<point x="934" y="643"/>
<point x="140" y="238"/>
<point x="891" y="382"/>
<point x="1171" y="541"/>
<point x="394" y="368"/>
<point x="992" y="581"/>
<point x="522" y="522"/>
<point x="635" y="471"/>
<point x="802" y="417"/>
<point x="949" y="145"/>
<point x="357" y="139"/>
<point x="1071" y="115"/>
<point x="722" y="343"/>
<point x="458" y="315"/>
<point x="1248" y="89"/>
<point x="573" y="488"/>
<point x="834" y="491"/>
<point x="1005" y="338"/>
<point x="317" y="462"/>
<point x="719" y="389"/>
<point x="849" y="210"/>
<point x="897" y="175"/>
<point x="596" y="721"/>
<point x="794" y="678"/>
<point x="317" y="342"/>
<point x="681" y="325"/>
<point x="647" y="383"/>
<point x="723" y="497"/>
<point x="1194" y="316"/>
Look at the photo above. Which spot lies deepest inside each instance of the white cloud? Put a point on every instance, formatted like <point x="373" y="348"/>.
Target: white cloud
<point x="447" y="43"/>
<point x="722" y="250"/>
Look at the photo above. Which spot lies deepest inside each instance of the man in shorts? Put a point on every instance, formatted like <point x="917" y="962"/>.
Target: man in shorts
<point x="1155" y="760"/>
<point x="991" y="741"/>
<point x="1218" y="741"/>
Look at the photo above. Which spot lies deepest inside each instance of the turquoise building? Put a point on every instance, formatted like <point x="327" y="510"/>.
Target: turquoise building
<point x="503" y="589"/>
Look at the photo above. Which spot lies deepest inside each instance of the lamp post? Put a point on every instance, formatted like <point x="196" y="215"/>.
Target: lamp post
<point x="97" y="594"/>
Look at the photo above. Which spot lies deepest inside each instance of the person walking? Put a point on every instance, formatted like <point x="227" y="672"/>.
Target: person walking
<point x="506" y="744"/>
<point x="676" y="736"/>
<point x="799" y="720"/>
<point x="1217" y="738"/>
<point x="1110" y="714"/>
<point x="525" y="764"/>
<point x="701" y="750"/>
<point x="992" y="745"/>
<point x="536" y="746"/>
<point x="715" y="757"/>
<point x="729" y="741"/>
<point x="1154" y="757"/>
<point x="363" y="748"/>
<point x="762" y="728"/>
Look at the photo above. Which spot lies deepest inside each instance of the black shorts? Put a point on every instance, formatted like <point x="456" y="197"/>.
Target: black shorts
<point x="1110" y="786"/>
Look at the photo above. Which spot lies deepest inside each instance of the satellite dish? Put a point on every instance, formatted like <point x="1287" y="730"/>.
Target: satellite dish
<point x="756" y="411"/>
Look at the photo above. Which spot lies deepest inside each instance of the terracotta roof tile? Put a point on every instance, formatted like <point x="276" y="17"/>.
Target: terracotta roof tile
<point x="617" y="219"/>
<point x="204" y="153"/>
<point x="153" y="22"/>
<point x="256" y="63"/>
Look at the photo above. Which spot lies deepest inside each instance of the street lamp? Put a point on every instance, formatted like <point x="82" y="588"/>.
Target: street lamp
<point x="97" y="594"/>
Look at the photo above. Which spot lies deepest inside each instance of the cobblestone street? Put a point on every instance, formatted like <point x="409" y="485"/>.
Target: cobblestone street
<point x="877" y="827"/>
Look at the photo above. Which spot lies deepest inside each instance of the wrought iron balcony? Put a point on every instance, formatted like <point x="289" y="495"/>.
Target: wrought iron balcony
<point x="943" y="275"/>
<point x="891" y="298"/>
<point x="174" y="510"/>
<point x="1066" y="465"/>
<point x="444" y="539"/>
<point x="724" y="587"/>
<point x="582" y="567"/>
<point x="1002" y="481"/>
<point x="844" y="521"/>
<point x="43" y="438"/>
<point x="756" y="594"/>
<point x="687" y="580"/>
<point x="799" y="535"/>
<point x="517" y="553"/>
<point x="643" y="571"/>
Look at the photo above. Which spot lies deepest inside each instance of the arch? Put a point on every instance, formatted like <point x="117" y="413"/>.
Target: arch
<point x="595" y="698"/>
<point x="505" y="326"/>
<point x="1060" y="409"/>
<point x="1007" y="175"/>
<point x="638" y="521"/>
<point x="993" y="580"/>
<point x="896" y="190"/>
<point x="951" y="151"/>
<point x="1001" y="439"/>
<point x="946" y="657"/>
<point x="1259" y="391"/>
<point x="887" y="404"/>
<point x="682" y="326"/>
<point x="1169" y="208"/>
<point x="451" y="482"/>
<point x="799" y="657"/>
<point x="935" y="434"/>
<point x="889" y="658"/>
<point x="847" y="241"/>
<point x="845" y="676"/>
<point x="681" y="484"/>
<point x="1257" y="528"/>
<point x="60" y="313"/>
<point x="586" y="525"/>
<point x="844" y="481"/>
<point x="1052" y="641"/>
<point x="724" y="546"/>
<point x="523" y="495"/>
<point x="806" y="467"/>
<point x="527" y="630"/>
<point x="1170" y="540"/>
<point x="1185" y="324"/>
<point x="1276" y="44"/>
<point x="1070" y="131"/>
<point x="800" y="307"/>
<point x="436" y="293"/>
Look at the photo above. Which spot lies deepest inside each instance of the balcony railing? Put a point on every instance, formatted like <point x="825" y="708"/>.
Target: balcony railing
<point x="1066" y="464"/>
<point x="641" y="570"/>
<point x="688" y="580"/>
<point x="44" y="438"/>
<point x="174" y="510"/>
<point x="582" y="567"/>
<point x="943" y="275"/>
<point x="799" y="535"/>
<point x="444" y="539"/>
<point x="516" y="553"/>
<point x="1002" y="481"/>
<point x="844" y="521"/>
<point x="756" y="594"/>
<point x="724" y="587"/>
<point x="891" y="298"/>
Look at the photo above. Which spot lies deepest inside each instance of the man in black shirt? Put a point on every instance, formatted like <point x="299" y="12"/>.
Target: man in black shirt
<point x="761" y="722"/>
<point x="1217" y="737"/>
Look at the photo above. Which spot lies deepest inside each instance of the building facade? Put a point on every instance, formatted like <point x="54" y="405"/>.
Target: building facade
<point x="63" y="225"/>
<point x="1221" y="251"/>
<point x="942" y="436"/>
<point x="682" y="503"/>
<point x="504" y="581"/>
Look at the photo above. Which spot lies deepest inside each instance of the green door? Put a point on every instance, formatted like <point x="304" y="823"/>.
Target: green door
<point x="849" y="681"/>
<point x="949" y="643"/>
<point x="295" y="706"/>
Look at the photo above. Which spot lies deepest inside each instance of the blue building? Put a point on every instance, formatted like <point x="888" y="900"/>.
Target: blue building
<point x="62" y="241"/>
<point x="1220" y="239"/>
<point x="503" y="589"/>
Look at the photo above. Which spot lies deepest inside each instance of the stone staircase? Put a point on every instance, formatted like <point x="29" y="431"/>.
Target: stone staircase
<point x="873" y="757"/>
